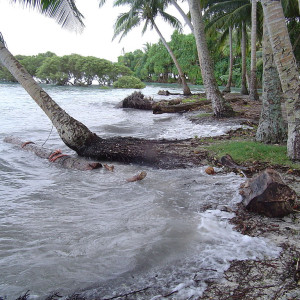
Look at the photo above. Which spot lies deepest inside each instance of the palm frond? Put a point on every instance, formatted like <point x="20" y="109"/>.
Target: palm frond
<point x="125" y="23"/>
<point x="101" y="2"/>
<point x="145" y="27"/>
<point x="64" y="12"/>
<point x="173" y="21"/>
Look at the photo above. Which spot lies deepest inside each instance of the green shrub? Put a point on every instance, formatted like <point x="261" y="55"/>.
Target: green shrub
<point x="129" y="82"/>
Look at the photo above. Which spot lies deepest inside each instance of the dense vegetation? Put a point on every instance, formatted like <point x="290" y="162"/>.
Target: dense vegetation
<point x="69" y="69"/>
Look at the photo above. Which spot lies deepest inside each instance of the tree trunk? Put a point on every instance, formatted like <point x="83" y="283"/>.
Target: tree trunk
<point x="220" y="108"/>
<point x="73" y="133"/>
<point x="163" y="107"/>
<point x="287" y="69"/>
<point x="244" y="90"/>
<point x="186" y="89"/>
<point x="229" y="81"/>
<point x="267" y="194"/>
<point x="156" y="153"/>
<point x="65" y="161"/>
<point x="184" y="16"/>
<point x="271" y="128"/>
<point x="253" y="80"/>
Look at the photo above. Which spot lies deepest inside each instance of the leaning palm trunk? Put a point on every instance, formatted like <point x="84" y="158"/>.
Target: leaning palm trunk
<point x="186" y="89"/>
<point x="253" y="95"/>
<point x="184" y="16"/>
<point x="244" y="90"/>
<point x="211" y="88"/>
<point x="156" y="153"/>
<point x="229" y="81"/>
<point x="73" y="133"/>
<point x="271" y="128"/>
<point x="287" y="69"/>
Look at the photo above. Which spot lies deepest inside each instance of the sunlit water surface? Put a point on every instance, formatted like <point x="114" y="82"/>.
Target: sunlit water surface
<point x="67" y="231"/>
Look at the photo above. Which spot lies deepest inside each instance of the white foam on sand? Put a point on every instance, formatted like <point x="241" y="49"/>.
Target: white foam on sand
<point x="219" y="244"/>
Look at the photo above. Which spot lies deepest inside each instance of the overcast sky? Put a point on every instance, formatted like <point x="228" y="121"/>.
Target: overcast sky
<point x="27" y="32"/>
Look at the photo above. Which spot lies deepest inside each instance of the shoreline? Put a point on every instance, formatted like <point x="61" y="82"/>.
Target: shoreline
<point x="277" y="278"/>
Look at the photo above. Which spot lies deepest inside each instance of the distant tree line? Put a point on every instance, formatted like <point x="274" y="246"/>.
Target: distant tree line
<point x="154" y="64"/>
<point x="69" y="69"/>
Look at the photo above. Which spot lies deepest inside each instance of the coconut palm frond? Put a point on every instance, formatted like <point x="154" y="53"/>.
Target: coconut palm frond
<point x="125" y="22"/>
<point x="145" y="27"/>
<point x="64" y="12"/>
<point x="173" y="21"/>
<point x="101" y="2"/>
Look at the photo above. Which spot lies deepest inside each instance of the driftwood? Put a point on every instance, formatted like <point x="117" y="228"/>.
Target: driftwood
<point x="167" y="93"/>
<point x="56" y="156"/>
<point x="267" y="194"/>
<point x="163" y="107"/>
<point x="137" y="177"/>
<point x="227" y="161"/>
<point x="138" y="101"/>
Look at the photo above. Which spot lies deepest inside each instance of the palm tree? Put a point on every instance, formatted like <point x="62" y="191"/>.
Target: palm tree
<point x="287" y="68"/>
<point x="223" y="14"/>
<point x="216" y="21"/>
<point x="229" y="81"/>
<point x="244" y="90"/>
<point x="253" y="95"/>
<point x="271" y="128"/>
<point x="77" y="136"/>
<point x="146" y="11"/>
<point x="220" y="108"/>
<point x="184" y="16"/>
<point x="73" y="133"/>
<point x="237" y="14"/>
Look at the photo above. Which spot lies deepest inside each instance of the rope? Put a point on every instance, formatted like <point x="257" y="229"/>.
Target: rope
<point x="48" y="136"/>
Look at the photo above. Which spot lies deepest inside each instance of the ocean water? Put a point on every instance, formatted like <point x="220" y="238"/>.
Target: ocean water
<point x="66" y="231"/>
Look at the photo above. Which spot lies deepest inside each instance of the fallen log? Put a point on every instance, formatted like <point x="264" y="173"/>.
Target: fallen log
<point x="267" y="194"/>
<point x="166" y="93"/>
<point x="161" y="153"/>
<point x="56" y="156"/>
<point x="163" y="107"/>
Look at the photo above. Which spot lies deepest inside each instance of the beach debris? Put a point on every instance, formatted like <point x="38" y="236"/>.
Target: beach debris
<point x="210" y="171"/>
<point x="137" y="100"/>
<point x="267" y="194"/>
<point x="228" y="162"/>
<point x="137" y="177"/>
<point x="109" y="167"/>
<point x="56" y="156"/>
